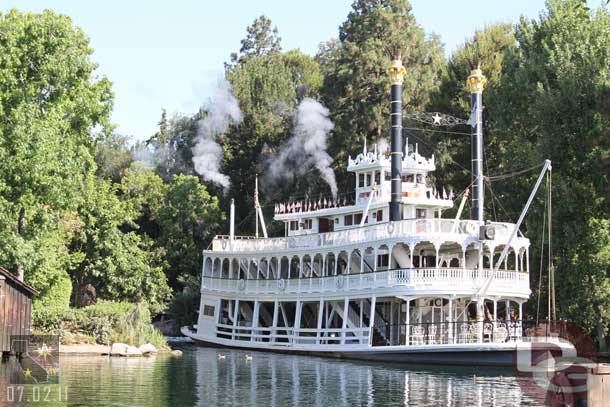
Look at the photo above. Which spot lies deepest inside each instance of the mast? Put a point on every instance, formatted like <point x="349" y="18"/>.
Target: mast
<point x="476" y="83"/>
<point x="396" y="72"/>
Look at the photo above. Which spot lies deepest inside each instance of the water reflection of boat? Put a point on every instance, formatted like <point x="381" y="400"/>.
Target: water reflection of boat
<point x="279" y="380"/>
<point x="355" y="277"/>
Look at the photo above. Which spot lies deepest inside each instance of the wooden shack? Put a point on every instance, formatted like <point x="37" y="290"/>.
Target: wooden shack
<point x="15" y="308"/>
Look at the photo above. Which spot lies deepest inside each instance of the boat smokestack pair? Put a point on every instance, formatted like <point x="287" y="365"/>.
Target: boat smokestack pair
<point x="396" y="72"/>
<point x="476" y="83"/>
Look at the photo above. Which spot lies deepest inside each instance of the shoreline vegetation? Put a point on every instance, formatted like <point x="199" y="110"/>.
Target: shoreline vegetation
<point x="113" y="328"/>
<point x="92" y="216"/>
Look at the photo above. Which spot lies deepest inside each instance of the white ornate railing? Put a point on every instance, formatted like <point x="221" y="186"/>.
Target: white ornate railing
<point x="420" y="278"/>
<point x="381" y="231"/>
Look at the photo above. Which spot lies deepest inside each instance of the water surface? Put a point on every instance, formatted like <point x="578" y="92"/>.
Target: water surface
<point x="201" y="378"/>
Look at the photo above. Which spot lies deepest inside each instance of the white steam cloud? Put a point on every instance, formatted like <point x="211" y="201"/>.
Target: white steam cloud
<point x="223" y="110"/>
<point x="306" y="147"/>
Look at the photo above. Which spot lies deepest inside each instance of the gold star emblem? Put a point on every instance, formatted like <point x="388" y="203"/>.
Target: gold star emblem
<point x="27" y="372"/>
<point x="44" y="351"/>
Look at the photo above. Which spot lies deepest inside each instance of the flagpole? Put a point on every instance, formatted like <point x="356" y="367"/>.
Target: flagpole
<point x="256" y="204"/>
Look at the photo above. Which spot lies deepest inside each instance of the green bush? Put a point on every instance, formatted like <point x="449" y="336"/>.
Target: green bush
<point x="183" y="308"/>
<point x="136" y="329"/>
<point x="105" y="321"/>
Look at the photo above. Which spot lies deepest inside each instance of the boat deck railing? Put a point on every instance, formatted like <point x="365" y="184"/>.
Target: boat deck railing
<point x="381" y="231"/>
<point x="417" y="278"/>
<point x="411" y="334"/>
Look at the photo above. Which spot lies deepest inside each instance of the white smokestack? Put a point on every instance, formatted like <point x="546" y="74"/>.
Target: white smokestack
<point x="222" y="110"/>
<point x="306" y="147"/>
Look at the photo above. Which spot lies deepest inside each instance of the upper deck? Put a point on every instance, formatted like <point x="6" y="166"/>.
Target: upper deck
<point x="409" y="231"/>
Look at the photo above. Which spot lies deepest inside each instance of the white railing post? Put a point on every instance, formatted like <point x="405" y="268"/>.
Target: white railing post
<point x="275" y="317"/>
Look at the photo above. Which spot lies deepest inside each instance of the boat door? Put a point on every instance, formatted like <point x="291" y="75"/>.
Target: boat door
<point x="325" y="225"/>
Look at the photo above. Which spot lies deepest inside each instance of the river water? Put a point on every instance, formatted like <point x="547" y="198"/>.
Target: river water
<point x="201" y="378"/>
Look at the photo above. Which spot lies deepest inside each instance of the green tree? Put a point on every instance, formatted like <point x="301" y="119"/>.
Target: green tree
<point x="486" y="49"/>
<point x="112" y="157"/>
<point x="121" y="264"/>
<point x="50" y="103"/>
<point x="356" y="85"/>
<point x="261" y="39"/>
<point x="552" y="102"/>
<point x="187" y="218"/>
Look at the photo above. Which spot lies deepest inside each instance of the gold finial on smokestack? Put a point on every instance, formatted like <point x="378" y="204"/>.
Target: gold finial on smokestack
<point x="476" y="81"/>
<point x="396" y="72"/>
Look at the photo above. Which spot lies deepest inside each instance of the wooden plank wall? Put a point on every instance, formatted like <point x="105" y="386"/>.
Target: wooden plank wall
<point x="15" y="313"/>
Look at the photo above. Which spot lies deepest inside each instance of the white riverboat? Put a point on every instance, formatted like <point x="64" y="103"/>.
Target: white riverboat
<point x="356" y="278"/>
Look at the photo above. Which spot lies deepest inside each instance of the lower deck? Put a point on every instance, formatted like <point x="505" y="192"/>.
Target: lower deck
<point x="361" y="323"/>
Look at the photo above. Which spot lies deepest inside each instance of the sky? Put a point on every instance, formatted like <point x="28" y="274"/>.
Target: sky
<point x="161" y="54"/>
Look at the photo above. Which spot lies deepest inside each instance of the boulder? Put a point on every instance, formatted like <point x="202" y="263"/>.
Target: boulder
<point x="176" y="352"/>
<point x="147" y="349"/>
<point x="118" y="349"/>
<point x="133" y="351"/>
<point x="122" y="349"/>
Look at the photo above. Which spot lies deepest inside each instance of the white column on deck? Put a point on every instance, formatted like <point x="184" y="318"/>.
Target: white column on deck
<point x="297" y="321"/>
<point x="320" y="317"/>
<point x="375" y="259"/>
<point x="235" y="316"/>
<point x="495" y="310"/>
<point x="527" y="259"/>
<point x="411" y="254"/>
<point x="362" y="260"/>
<point x="463" y="258"/>
<point x="255" y="314"/>
<point x="301" y="270"/>
<point x="437" y="260"/>
<point x="276" y="311"/>
<point x="480" y="317"/>
<point x="507" y="310"/>
<point x="230" y="268"/>
<point x="323" y="271"/>
<point x="345" y="317"/>
<point x="408" y="322"/>
<point x="450" y="327"/>
<point x="372" y="319"/>
<point x="336" y="263"/>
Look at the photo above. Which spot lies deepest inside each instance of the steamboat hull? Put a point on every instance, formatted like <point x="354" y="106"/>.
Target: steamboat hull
<point x="492" y="355"/>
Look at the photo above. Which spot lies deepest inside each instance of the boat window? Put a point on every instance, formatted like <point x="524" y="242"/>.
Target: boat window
<point x="208" y="311"/>
<point x="388" y="176"/>
<point x="377" y="177"/>
<point x="307" y="224"/>
<point x="361" y="180"/>
<point x="358" y="219"/>
<point x="348" y="220"/>
<point x="294" y="225"/>
<point x="383" y="260"/>
<point x="420" y="213"/>
<point x="379" y="215"/>
<point x="420" y="179"/>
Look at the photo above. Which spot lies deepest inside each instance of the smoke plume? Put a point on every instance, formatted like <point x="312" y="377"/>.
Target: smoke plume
<point x="222" y="110"/>
<point x="306" y="147"/>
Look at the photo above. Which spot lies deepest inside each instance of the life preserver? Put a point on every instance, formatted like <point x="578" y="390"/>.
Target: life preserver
<point x="242" y="284"/>
<point x="390" y="228"/>
<point x="281" y="284"/>
<point x="339" y="281"/>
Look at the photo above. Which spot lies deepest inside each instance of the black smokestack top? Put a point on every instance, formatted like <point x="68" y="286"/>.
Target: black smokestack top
<point x="396" y="72"/>
<point x="476" y="82"/>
